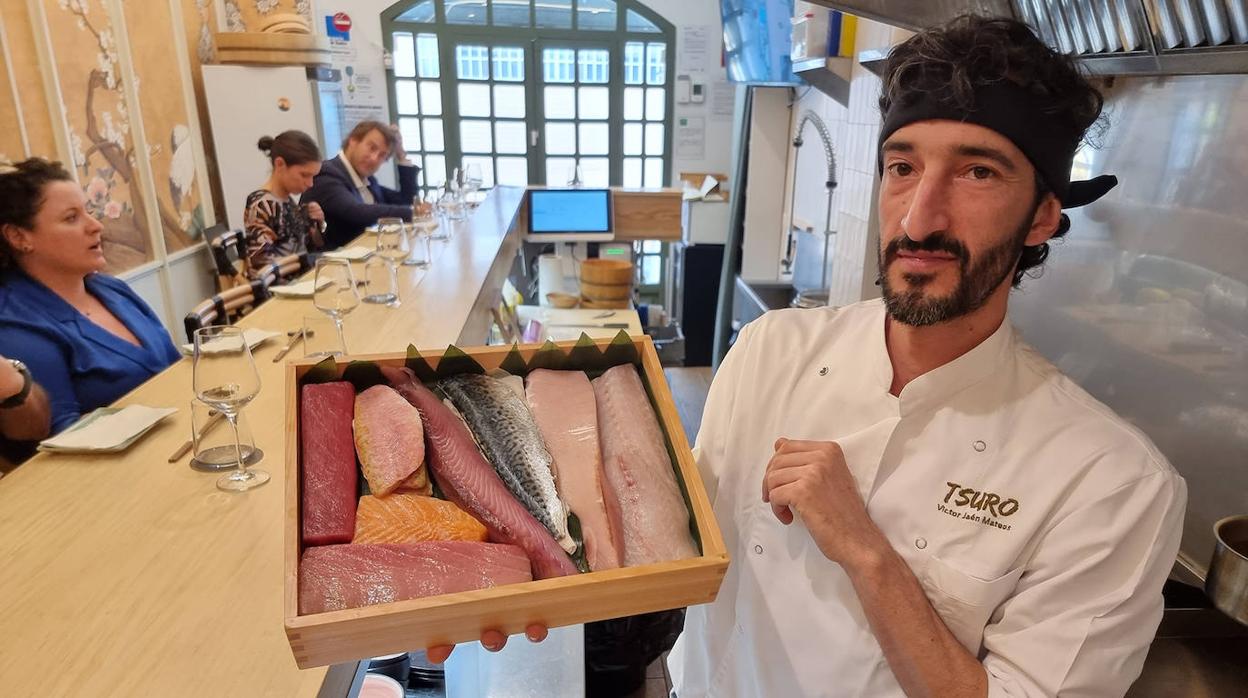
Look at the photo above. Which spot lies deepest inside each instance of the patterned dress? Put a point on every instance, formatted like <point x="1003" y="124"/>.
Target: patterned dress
<point x="275" y="229"/>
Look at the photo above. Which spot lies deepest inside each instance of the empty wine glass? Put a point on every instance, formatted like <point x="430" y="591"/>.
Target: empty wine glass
<point x="422" y="233"/>
<point x="381" y="276"/>
<point x="424" y="222"/>
<point x="473" y="181"/>
<point x="336" y="293"/>
<point x="451" y="206"/>
<point x="225" y="378"/>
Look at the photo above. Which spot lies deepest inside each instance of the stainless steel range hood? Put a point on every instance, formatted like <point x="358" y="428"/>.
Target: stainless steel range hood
<point x="1110" y="37"/>
<point x="918" y="14"/>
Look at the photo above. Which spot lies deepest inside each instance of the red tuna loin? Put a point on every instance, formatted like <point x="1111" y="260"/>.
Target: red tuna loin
<point x="327" y="450"/>
<point x="335" y="577"/>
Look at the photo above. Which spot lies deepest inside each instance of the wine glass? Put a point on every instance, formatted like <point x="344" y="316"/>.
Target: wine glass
<point x="423" y="225"/>
<point x="473" y="180"/>
<point x="451" y="207"/>
<point x="336" y="293"/>
<point x="225" y="378"/>
<point x="392" y="247"/>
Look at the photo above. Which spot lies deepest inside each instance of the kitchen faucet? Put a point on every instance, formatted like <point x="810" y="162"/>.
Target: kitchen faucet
<point x="830" y="157"/>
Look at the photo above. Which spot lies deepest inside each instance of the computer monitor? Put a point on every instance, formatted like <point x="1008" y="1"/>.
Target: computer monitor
<point x="570" y="215"/>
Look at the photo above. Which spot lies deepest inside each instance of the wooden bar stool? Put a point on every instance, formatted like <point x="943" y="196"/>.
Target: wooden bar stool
<point x="227" y="306"/>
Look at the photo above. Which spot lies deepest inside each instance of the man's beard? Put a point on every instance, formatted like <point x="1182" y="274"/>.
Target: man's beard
<point x="977" y="279"/>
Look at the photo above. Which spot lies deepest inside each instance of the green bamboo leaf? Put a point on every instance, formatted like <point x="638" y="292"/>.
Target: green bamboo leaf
<point x="363" y="375"/>
<point x="574" y="530"/>
<point x="549" y="356"/>
<point x="621" y="351"/>
<point x="323" y="372"/>
<point x="454" y="362"/>
<point x="586" y="356"/>
<point x="419" y="366"/>
<point x="514" y="363"/>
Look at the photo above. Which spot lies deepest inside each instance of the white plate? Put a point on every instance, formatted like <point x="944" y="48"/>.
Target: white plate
<point x="107" y="430"/>
<point x="301" y="289"/>
<point x="253" y="336"/>
<point x="357" y="253"/>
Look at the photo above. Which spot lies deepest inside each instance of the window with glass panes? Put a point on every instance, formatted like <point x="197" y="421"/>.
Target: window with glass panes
<point x="598" y="93"/>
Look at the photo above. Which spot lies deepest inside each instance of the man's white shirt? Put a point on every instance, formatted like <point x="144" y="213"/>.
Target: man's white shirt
<point x="1040" y="525"/>
<point x="361" y="186"/>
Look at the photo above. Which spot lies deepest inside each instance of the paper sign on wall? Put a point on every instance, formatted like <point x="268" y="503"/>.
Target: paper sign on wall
<point x="690" y="138"/>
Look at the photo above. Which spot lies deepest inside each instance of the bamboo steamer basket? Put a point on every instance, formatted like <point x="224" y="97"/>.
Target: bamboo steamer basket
<point x="285" y="23"/>
<point x="622" y="304"/>
<point x="606" y="292"/>
<point x="607" y="272"/>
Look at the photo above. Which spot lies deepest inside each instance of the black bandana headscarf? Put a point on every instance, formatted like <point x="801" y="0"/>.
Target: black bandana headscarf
<point x="1013" y="112"/>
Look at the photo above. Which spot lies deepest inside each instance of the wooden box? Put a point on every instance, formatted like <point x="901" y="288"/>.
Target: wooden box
<point x="353" y="634"/>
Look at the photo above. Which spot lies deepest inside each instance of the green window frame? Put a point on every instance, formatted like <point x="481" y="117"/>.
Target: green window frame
<point x="422" y="38"/>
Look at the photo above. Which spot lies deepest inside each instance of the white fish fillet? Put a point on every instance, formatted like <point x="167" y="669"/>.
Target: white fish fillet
<point x="655" y="519"/>
<point x="565" y="411"/>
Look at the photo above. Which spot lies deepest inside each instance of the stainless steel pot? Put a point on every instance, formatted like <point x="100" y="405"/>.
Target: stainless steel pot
<point x="1227" y="581"/>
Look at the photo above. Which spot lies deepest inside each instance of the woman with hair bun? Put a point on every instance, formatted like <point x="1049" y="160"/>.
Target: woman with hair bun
<point x="85" y="337"/>
<point x="276" y="224"/>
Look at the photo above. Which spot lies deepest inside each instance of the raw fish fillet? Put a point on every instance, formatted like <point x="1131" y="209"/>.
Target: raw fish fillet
<point x="564" y="409"/>
<point x="390" y="441"/>
<point x="500" y="420"/>
<point x="412" y="518"/>
<point x="334" y="577"/>
<point x="469" y="481"/>
<point x="328" y="455"/>
<point x="656" y="521"/>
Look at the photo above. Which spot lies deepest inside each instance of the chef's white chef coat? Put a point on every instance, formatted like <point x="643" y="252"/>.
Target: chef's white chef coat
<point x="1040" y="524"/>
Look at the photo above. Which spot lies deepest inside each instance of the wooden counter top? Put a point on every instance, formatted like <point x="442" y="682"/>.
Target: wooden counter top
<point x="127" y="575"/>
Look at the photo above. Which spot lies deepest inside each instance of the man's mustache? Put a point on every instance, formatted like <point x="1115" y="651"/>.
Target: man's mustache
<point x="936" y="242"/>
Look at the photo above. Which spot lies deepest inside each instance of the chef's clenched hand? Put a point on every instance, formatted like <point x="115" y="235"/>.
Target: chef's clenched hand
<point x="811" y="479"/>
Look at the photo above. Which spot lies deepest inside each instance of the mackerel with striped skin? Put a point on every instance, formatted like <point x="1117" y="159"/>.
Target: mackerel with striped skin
<point x="504" y="428"/>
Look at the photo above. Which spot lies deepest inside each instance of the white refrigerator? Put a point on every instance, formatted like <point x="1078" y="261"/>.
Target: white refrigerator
<point x="247" y="102"/>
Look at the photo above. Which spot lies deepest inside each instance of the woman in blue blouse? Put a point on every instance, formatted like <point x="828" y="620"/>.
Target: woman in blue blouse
<point x="85" y="337"/>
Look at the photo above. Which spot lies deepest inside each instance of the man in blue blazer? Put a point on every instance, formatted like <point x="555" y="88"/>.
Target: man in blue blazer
<point x="349" y="193"/>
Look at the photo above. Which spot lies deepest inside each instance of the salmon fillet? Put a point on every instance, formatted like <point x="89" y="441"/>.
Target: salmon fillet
<point x="411" y="518"/>
<point x="390" y="441"/>
<point x="634" y="454"/>
<point x="563" y="407"/>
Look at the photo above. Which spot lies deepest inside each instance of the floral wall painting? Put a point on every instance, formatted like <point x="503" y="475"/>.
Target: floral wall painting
<point x="102" y="130"/>
<point x="27" y="95"/>
<point x="95" y="112"/>
<point x="248" y="15"/>
<point x="12" y="147"/>
<point x="163" y="97"/>
<point x="200" y="20"/>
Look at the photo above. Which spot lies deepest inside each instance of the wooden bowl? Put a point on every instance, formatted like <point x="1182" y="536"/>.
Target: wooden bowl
<point x="562" y="300"/>
<point x="606" y="292"/>
<point x="607" y="271"/>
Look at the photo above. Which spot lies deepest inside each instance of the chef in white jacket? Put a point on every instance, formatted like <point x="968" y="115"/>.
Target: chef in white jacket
<point x="915" y="501"/>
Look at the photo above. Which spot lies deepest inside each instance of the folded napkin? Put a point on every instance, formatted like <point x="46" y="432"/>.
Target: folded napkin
<point x="354" y="253"/>
<point x="107" y="429"/>
<point x="302" y="289"/>
<point x="253" y="336"/>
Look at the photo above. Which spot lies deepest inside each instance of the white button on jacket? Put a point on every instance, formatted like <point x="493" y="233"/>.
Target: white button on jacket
<point x="1039" y="523"/>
